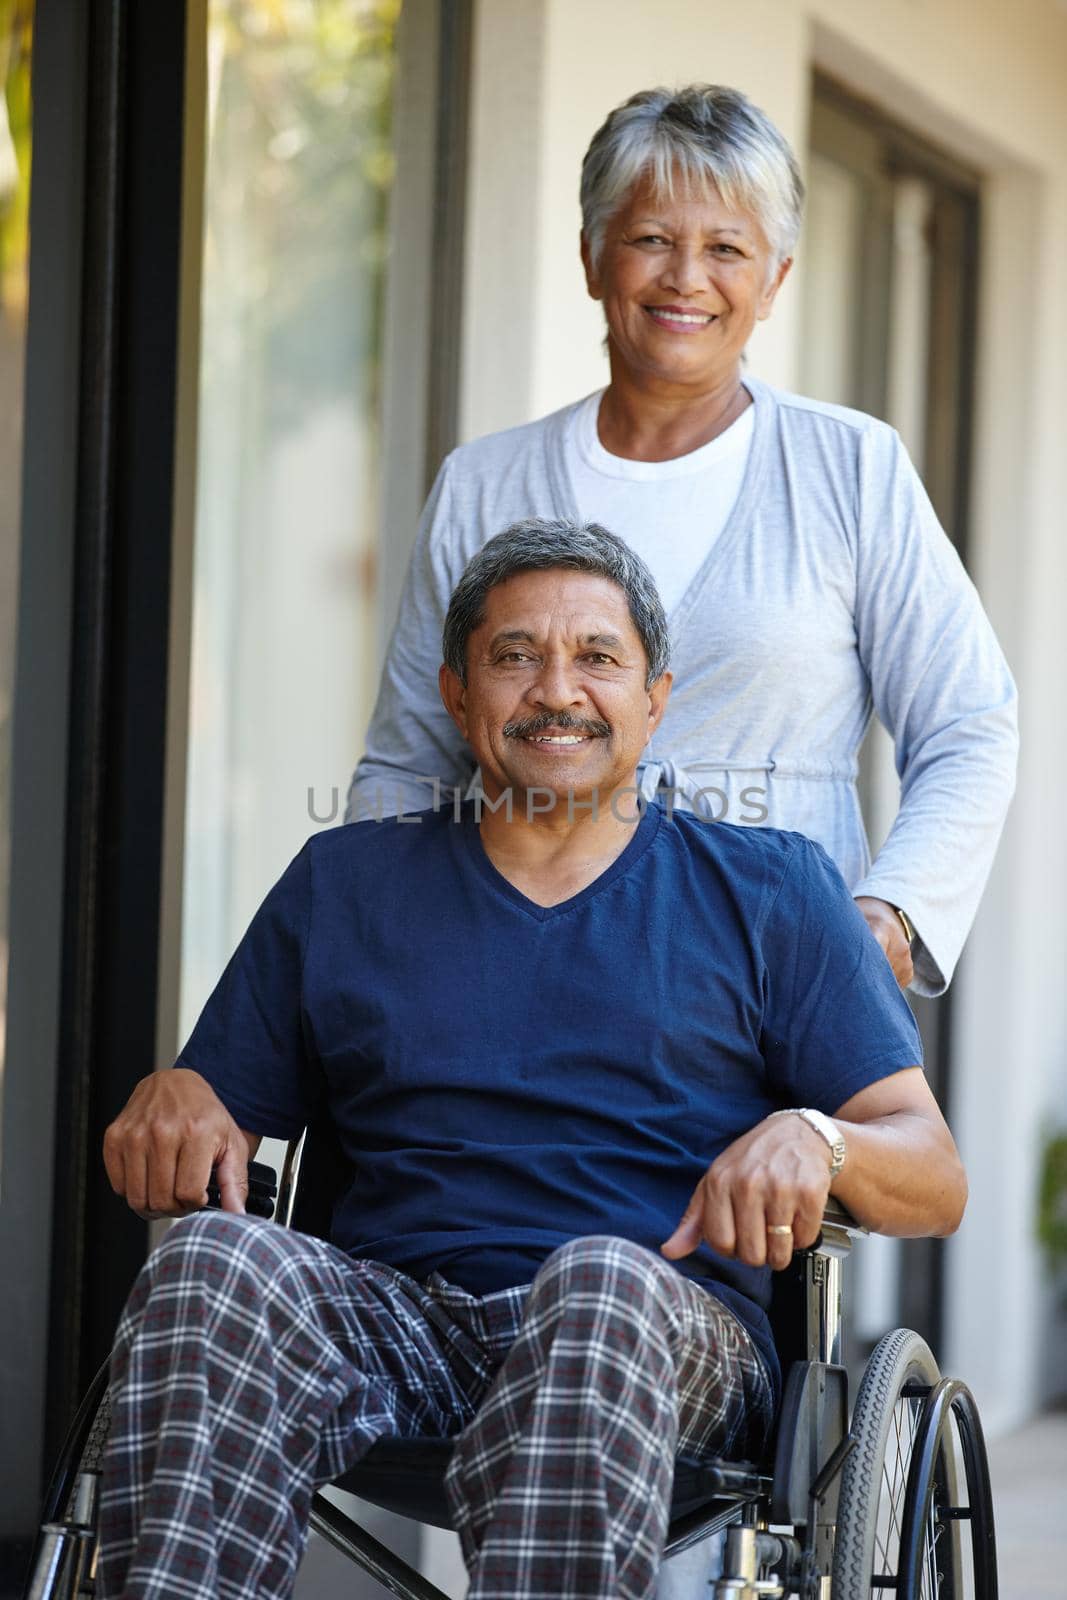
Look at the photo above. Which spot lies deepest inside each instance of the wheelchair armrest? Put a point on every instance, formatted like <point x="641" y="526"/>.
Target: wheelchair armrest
<point x="262" y="1190"/>
<point x="835" y="1215"/>
<point x="839" y="1228"/>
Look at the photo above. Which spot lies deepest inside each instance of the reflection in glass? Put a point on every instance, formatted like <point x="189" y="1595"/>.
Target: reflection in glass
<point x="16" y="32"/>
<point x="298" y="179"/>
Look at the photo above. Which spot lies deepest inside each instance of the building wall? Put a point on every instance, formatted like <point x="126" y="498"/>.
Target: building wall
<point x="986" y="81"/>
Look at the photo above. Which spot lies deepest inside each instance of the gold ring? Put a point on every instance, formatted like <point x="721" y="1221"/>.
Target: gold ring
<point x="779" y="1227"/>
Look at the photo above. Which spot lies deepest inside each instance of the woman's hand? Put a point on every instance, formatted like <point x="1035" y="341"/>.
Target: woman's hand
<point x="884" y="922"/>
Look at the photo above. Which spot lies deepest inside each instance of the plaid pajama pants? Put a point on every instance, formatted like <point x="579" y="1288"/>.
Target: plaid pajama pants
<point x="253" y="1364"/>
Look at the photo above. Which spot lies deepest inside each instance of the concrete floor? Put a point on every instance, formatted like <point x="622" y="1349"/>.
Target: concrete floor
<point x="1029" y="1470"/>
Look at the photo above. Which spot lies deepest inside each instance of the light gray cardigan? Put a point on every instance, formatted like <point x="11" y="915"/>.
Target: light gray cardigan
<point x="832" y="587"/>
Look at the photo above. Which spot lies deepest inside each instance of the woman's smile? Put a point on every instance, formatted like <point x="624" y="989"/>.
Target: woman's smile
<point x="681" y="319"/>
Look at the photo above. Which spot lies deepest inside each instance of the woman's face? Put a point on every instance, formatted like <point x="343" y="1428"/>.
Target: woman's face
<point x="683" y="282"/>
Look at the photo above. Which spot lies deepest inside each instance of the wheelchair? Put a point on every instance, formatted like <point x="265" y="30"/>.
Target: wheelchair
<point x="843" y="1507"/>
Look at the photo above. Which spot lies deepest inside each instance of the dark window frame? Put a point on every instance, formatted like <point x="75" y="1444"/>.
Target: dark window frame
<point x="90" y="687"/>
<point x="135" y="120"/>
<point x="102" y="579"/>
<point x="861" y="135"/>
<point x="39" y="754"/>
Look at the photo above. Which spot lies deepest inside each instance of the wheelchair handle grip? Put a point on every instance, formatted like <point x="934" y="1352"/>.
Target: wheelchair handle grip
<point x="262" y="1190"/>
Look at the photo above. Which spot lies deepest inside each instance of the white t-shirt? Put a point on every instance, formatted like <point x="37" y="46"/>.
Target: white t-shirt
<point x="670" y="512"/>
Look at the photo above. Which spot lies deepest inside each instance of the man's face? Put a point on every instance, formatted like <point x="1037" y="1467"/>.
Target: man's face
<point x="555" y="696"/>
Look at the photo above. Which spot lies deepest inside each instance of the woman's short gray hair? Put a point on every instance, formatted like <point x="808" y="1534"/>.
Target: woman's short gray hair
<point x="538" y="544"/>
<point x="711" y="136"/>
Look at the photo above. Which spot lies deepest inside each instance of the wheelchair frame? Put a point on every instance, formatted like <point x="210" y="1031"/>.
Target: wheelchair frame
<point x="780" y="1515"/>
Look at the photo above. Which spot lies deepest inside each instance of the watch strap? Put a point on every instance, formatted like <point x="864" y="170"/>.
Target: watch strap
<point x="826" y="1128"/>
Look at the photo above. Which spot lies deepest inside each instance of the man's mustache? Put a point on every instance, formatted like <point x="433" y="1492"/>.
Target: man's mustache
<point x="562" y="721"/>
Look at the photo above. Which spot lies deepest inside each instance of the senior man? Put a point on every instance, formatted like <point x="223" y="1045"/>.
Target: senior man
<point x="581" y="1055"/>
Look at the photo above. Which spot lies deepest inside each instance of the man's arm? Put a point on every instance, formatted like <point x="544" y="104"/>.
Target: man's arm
<point x="246" y="1071"/>
<point x="902" y="1176"/>
<point x="160" y="1149"/>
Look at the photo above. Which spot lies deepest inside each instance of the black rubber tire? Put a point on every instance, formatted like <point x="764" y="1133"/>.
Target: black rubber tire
<point x="87" y="1433"/>
<point x="875" y="1475"/>
<point x="93" y="1452"/>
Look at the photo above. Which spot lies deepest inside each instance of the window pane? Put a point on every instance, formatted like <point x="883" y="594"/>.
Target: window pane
<point x="16" y="31"/>
<point x="832" y="263"/>
<point x="298" y="182"/>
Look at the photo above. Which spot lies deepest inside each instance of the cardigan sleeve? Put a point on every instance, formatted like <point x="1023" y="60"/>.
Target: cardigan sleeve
<point x="412" y="742"/>
<point x="941" y="686"/>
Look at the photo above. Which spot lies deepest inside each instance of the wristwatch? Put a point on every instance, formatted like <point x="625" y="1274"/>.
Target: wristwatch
<point x="826" y="1128"/>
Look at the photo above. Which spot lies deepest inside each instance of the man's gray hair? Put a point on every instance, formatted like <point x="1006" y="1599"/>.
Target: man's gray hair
<point x="709" y="135"/>
<point x="537" y="544"/>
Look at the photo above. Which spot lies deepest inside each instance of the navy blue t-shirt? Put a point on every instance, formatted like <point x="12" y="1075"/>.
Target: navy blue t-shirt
<point x="506" y="1076"/>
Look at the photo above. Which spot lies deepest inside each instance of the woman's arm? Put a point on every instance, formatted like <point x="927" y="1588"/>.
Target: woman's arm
<point x="942" y="688"/>
<point x="412" y="739"/>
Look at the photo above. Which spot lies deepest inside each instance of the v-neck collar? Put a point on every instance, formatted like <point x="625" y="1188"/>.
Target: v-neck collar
<point x="644" y="832"/>
<point x="737" y="523"/>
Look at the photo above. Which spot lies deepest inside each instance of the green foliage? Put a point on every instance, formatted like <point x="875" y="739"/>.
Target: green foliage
<point x="300" y="169"/>
<point x="16" y="32"/>
<point x="1052" y="1202"/>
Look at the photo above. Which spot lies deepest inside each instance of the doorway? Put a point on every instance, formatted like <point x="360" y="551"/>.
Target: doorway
<point x="889" y="327"/>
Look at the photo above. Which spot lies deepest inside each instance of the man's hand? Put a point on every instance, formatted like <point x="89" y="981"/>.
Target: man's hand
<point x="885" y="924"/>
<point x="160" y="1149"/>
<point x="777" y="1175"/>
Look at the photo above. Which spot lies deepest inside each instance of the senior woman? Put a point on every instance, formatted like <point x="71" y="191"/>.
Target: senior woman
<point x="802" y="567"/>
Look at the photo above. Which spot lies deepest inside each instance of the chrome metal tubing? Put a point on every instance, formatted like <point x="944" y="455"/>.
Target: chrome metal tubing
<point x="63" y="1556"/>
<point x="740" y="1559"/>
<point x="287" y="1184"/>
<point x="85" y="1499"/>
<point x="48" y="1567"/>
<point x="823" y="1283"/>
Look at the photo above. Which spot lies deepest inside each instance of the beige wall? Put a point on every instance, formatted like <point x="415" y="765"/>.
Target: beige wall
<point x="987" y="81"/>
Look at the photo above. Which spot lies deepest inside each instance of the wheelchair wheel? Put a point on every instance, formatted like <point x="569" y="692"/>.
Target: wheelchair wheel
<point x="898" y="1379"/>
<point x="64" y="1559"/>
<point x="932" y="1498"/>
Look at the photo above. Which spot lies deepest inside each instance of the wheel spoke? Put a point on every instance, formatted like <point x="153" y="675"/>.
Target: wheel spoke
<point x="895" y="1470"/>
